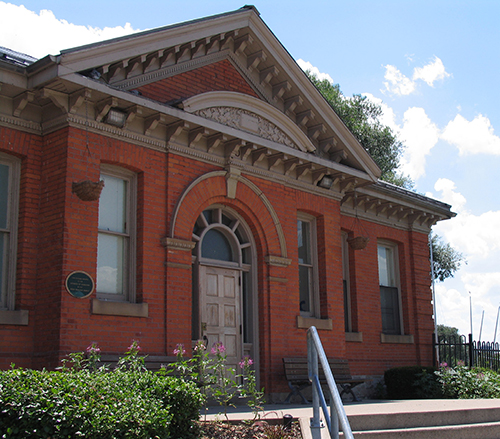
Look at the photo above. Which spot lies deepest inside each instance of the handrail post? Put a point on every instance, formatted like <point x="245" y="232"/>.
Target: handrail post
<point x="315" y="352"/>
<point x="312" y="361"/>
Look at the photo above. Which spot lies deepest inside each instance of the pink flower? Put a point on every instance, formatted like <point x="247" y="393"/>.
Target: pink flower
<point x="245" y="361"/>
<point x="218" y="348"/>
<point x="199" y="347"/>
<point x="443" y="364"/>
<point x="134" y="347"/>
<point x="179" y="350"/>
<point x="93" y="349"/>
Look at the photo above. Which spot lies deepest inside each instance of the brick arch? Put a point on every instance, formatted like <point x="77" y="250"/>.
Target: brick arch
<point x="210" y="189"/>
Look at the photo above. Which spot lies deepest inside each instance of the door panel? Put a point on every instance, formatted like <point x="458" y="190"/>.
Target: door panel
<point x="221" y="311"/>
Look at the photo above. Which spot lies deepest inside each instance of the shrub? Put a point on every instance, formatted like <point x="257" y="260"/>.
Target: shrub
<point x="85" y="404"/>
<point x="461" y="382"/>
<point x="411" y="382"/>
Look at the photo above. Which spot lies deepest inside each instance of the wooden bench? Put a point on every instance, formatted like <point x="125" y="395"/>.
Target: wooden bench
<point x="152" y="362"/>
<point x="297" y="375"/>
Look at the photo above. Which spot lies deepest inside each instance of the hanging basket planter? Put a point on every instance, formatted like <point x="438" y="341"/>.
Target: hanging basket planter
<point x="88" y="190"/>
<point x="358" y="242"/>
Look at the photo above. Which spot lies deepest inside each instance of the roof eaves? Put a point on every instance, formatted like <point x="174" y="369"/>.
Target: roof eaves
<point x="159" y="29"/>
<point x="393" y="189"/>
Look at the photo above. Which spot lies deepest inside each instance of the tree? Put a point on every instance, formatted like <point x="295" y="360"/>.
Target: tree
<point x="447" y="332"/>
<point x="362" y="118"/>
<point x="446" y="259"/>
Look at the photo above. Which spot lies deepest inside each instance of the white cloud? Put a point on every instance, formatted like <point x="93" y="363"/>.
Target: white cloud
<point x="448" y="193"/>
<point x="41" y="34"/>
<point x="481" y="283"/>
<point x="476" y="236"/>
<point x="432" y="72"/>
<point x="452" y="308"/>
<point x="307" y="66"/>
<point x="397" y="83"/>
<point x="420" y="135"/>
<point x="472" y="137"/>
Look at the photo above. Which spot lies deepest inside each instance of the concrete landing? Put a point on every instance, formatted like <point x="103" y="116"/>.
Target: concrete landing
<point x="438" y="418"/>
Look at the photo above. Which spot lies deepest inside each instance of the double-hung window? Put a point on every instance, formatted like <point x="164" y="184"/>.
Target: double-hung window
<point x="116" y="235"/>
<point x="308" y="267"/>
<point x="9" y="198"/>
<point x="346" y="284"/>
<point x="389" y="288"/>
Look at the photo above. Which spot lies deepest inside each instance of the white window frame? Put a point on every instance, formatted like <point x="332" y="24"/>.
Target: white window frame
<point x="393" y="247"/>
<point x="129" y="278"/>
<point x="314" y="308"/>
<point x="8" y="297"/>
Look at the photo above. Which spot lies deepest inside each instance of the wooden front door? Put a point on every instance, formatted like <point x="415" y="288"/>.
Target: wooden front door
<point x="221" y="310"/>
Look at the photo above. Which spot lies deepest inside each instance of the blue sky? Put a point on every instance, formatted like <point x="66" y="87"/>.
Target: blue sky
<point x="432" y="65"/>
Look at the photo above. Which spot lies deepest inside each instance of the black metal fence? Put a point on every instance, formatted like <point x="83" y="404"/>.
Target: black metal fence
<point x="464" y="350"/>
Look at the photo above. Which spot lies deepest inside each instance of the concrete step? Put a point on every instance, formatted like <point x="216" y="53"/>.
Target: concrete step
<point x="386" y="421"/>
<point x="434" y="420"/>
<point x="487" y="430"/>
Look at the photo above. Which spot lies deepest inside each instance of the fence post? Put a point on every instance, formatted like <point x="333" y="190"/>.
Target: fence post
<point x="471" y="352"/>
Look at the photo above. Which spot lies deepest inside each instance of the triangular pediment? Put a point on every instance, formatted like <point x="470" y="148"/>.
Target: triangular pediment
<point x="172" y="64"/>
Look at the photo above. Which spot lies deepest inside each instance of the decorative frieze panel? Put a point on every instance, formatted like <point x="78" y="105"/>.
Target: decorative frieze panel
<point x="247" y="121"/>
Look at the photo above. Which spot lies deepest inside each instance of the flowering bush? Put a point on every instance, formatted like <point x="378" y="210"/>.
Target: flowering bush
<point x="132" y="360"/>
<point x="215" y="378"/>
<point x="461" y="382"/>
<point x="249" y="387"/>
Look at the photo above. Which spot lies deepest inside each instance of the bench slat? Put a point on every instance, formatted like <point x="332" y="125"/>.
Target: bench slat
<point x="297" y="375"/>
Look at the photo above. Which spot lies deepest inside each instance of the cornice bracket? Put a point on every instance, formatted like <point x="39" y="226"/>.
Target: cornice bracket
<point x="21" y="101"/>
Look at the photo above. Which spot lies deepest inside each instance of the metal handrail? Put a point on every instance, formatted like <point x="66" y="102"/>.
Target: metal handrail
<point x="337" y="413"/>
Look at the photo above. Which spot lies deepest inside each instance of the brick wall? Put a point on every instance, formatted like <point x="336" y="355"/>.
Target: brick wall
<point x="58" y="235"/>
<point x="16" y="342"/>
<point x="220" y="76"/>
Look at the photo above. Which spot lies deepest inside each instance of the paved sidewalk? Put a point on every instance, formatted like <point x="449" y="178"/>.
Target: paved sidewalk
<point x="364" y="407"/>
<point x="370" y="407"/>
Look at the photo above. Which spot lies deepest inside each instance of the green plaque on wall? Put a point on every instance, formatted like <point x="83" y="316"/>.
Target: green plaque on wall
<point x="80" y="284"/>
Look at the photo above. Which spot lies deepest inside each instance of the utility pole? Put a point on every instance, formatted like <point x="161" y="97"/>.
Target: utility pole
<point x="434" y="301"/>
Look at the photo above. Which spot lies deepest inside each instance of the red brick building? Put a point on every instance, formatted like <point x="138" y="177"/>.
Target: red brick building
<point x="232" y="194"/>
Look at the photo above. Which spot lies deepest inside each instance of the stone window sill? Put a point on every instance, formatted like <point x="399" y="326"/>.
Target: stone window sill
<point x="20" y="317"/>
<point x="125" y="309"/>
<point x="307" y="322"/>
<point x="354" y="337"/>
<point x="392" y="338"/>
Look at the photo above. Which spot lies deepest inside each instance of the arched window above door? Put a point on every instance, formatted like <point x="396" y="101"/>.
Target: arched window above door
<point x="215" y="245"/>
<point x="221" y="236"/>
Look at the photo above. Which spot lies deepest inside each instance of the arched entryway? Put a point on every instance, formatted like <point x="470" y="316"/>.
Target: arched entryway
<point x="224" y="283"/>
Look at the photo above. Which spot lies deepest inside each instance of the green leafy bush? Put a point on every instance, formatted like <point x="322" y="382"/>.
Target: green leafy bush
<point x="86" y="404"/>
<point x="411" y="382"/>
<point x="461" y="382"/>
